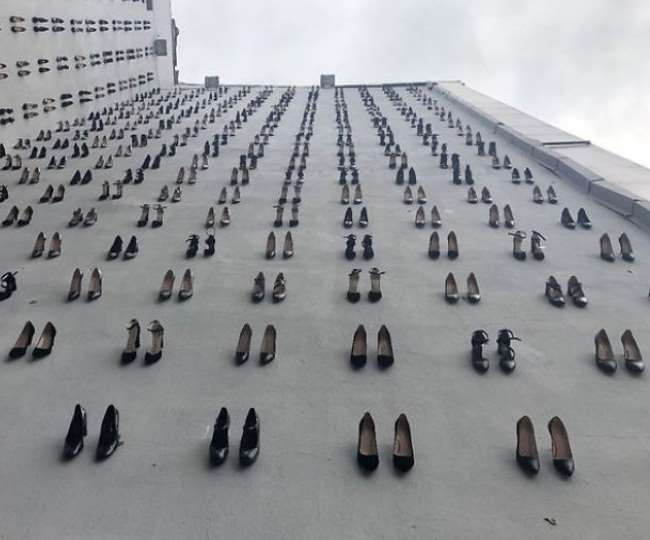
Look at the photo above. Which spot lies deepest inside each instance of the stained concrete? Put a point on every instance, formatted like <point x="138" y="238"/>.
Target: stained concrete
<point x="306" y="483"/>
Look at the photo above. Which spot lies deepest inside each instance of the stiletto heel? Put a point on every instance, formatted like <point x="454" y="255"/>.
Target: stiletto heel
<point x="627" y="253"/>
<point x="551" y="195"/>
<point x="451" y="289"/>
<point x="187" y="286"/>
<point x="526" y="453"/>
<point x="26" y="218"/>
<point x="517" y="249"/>
<point x="358" y="195"/>
<point x="219" y="443"/>
<point x="225" y="217"/>
<point x="167" y="286"/>
<point x="374" y="295"/>
<point x="538" y="198"/>
<point x="345" y="194"/>
<point x="209" y="220"/>
<point x="567" y="219"/>
<point x="632" y="353"/>
<point x="605" y="359"/>
<point x="242" y="353"/>
<point x="606" y="249"/>
<point x="75" y="285"/>
<point x="132" y="249"/>
<point x="45" y="343"/>
<point x="486" y="196"/>
<point x="583" y="220"/>
<point x="505" y="351"/>
<point x="267" y="350"/>
<point x="421" y="196"/>
<point x="39" y="246"/>
<point x="223" y="196"/>
<point x="385" y="356"/>
<point x="347" y="218"/>
<point x="562" y="455"/>
<point x="155" y="353"/>
<point x="259" y="288"/>
<point x="115" y="249"/>
<point x="408" y="195"/>
<point x="74" y="440"/>
<point x="109" y="436"/>
<point x="132" y="342"/>
<point x="479" y="338"/>
<point x="403" y="456"/>
<point x="249" y="448"/>
<point x="434" y="245"/>
<point x="363" y="218"/>
<point x="494" y="216"/>
<point x="11" y="217"/>
<point x="23" y="342"/>
<point x="287" y="251"/>
<point x="367" y="455"/>
<point x="473" y="293"/>
<point x="270" y="246"/>
<point x="55" y="246"/>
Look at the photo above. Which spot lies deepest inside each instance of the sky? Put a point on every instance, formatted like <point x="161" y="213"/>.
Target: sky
<point x="581" y="65"/>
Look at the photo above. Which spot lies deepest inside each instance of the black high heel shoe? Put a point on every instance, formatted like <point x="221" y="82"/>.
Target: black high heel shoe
<point x="605" y="358"/>
<point x="627" y="253"/>
<point x="562" y="455"/>
<point x="363" y="218"/>
<point x="403" y="455"/>
<point x="8" y="285"/>
<point x="583" y="219"/>
<point x="132" y="249"/>
<point x="23" y="342"/>
<point x="347" y="218"/>
<point x="367" y="455"/>
<point x="385" y="356"/>
<point x="249" y="448"/>
<point x="109" y="436"/>
<point x="505" y="351"/>
<point x="132" y="342"/>
<point x="219" y="443"/>
<point x="158" y="220"/>
<point x="374" y="294"/>
<point x="144" y="217"/>
<point x="267" y="350"/>
<point x="350" y="241"/>
<point x="554" y="292"/>
<point x="116" y="248"/>
<point x="359" y="352"/>
<point x="567" y="219"/>
<point x="258" y="288"/>
<point x="452" y="246"/>
<point x="353" y="288"/>
<point x="270" y="246"/>
<point x="537" y="246"/>
<point x="74" y="440"/>
<point x="517" y="249"/>
<point x="606" y="249"/>
<point x="479" y="338"/>
<point x="526" y="453"/>
<point x="193" y="246"/>
<point x="12" y="217"/>
<point x="576" y="293"/>
<point x="242" y="352"/>
<point x="451" y="289"/>
<point x="287" y="250"/>
<point x="210" y="242"/>
<point x="158" y="334"/>
<point x="45" y="343"/>
<point x="434" y="246"/>
<point x="368" y="252"/>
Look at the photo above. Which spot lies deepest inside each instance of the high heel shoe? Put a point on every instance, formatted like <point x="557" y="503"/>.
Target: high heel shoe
<point x="270" y="246"/>
<point x="258" y="288"/>
<point x="451" y="289"/>
<point x="74" y="440"/>
<point x="59" y="194"/>
<point x="486" y="196"/>
<point x="562" y="455"/>
<point x="144" y="217"/>
<point x="408" y="195"/>
<point x="249" y="448"/>
<point x="363" y="218"/>
<point x="106" y="191"/>
<point x="210" y="242"/>
<point x="177" y="195"/>
<point x="583" y="219"/>
<point x="345" y="194"/>
<point x="279" y="288"/>
<point x="554" y="292"/>
<point x="434" y="246"/>
<point x="575" y="292"/>
<point x="350" y="241"/>
<point x="12" y="217"/>
<point x="132" y="342"/>
<point x="294" y="220"/>
<point x="358" y="195"/>
<point x="606" y="249"/>
<point x="367" y="455"/>
<point x="219" y="443"/>
<point x="132" y="249"/>
<point x="374" y="295"/>
<point x="420" y="219"/>
<point x="23" y="342"/>
<point x="508" y="217"/>
<point x="77" y="217"/>
<point x="605" y="358"/>
<point x="45" y="343"/>
<point x="279" y="212"/>
<point x="157" y="331"/>
<point x="505" y="351"/>
<point x="109" y="436"/>
<point x="223" y="196"/>
<point x="209" y="220"/>
<point x="267" y="350"/>
<point x="26" y="218"/>
<point x="187" y="286"/>
<point x="167" y="286"/>
<point x="385" y="356"/>
<point x="479" y="338"/>
<point x="353" y="293"/>
<point x="537" y="246"/>
<point x="526" y="453"/>
<point x="632" y="353"/>
<point x="368" y="252"/>
<point x="8" y="285"/>
<point x="55" y="246"/>
<point x="115" y="249"/>
<point x="158" y="220"/>
<point x="567" y="219"/>
<point x="47" y="195"/>
<point x="494" y="216"/>
<point x="225" y="217"/>
<point x="347" y="218"/>
<point x="75" y="285"/>
<point x="242" y="352"/>
<point x="538" y="198"/>
<point x="193" y="246"/>
<point x="551" y="195"/>
<point x="452" y="246"/>
<point x="287" y="250"/>
<point x="627" y="253"/>
<point x="472" y="198"/>
<point x="164" y="194"/>
<point x="403" y="456"/>
<point x="359" y="352"/>
<point x="473" y="293"/>
<point x="421" y="196"/>
<point x="436" y="221"/>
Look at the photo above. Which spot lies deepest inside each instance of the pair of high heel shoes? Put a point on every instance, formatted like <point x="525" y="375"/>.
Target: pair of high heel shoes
<point x="536" y="245"/>
<point x="359" y="352"/>
<point x="25" y="179"/>
<point x="508" y="217"/>
<point x="357" y="197"/>
<point x="421" y="221"/>
<point x="279" y="213"/>
<point x="451" y="289"/>
<point x="223" y="196"/>
<point x="8" y="285"/>
<point x="249" y="447"/>
<point x="157" y="221"/>
<point x="567" y="219"/>
<point x="452" y="246"/>
<point x="267" y="350"/>
<point x="374" y="294"/>
<point x="279" y="288"/>
<point x="56" y="243"/>
<point x="574" y="289"/>
<point x="607" y="251"/>
<point x="420" y="197"/>
<point x="119" y="190"/>
<point x="224" y="221"/>
<point x="193" y="245"/>
<point x="504" y="350"/>
<point x="94" y="289"/>
<point x="367" y="454"/>
<point x="177" y="195"/>
<point x="14" y="217"/>
<point x="77" y="177"/>
<point x="167" y="287"/>
<point x="109" y="434"/>
<point x="133" y="342"/>
<point x="551" y="195"/>
<point x="472" y="197"/>
<point x="516" y="177"/>
<point x="132" y="249"/>
<point x="43" y="346"/>
<point x="78" y="217"/>
<point x="50" y="196"/>
<point x="287" y="250"/>
<point x="348" y="218"/>
<point x="527" y="455"/>
<point x="366" y="243"/>
<point x="606" y="360"/>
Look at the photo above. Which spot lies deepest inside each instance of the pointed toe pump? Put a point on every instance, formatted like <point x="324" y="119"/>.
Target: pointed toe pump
<point x="95" y="287"/>
<point x="551" y="195"/>
<point x="242" y="352"/>
<point x="249" y="448"/>
<point x="353" y="288"/>
<point x="157" y="334"/>
<point x="12" y="217"/>
<point x="219" y="443"/>
<point x="479" y="338"/>
<point x="132" y="249"/>
<point x="347" y="218"/>
<point x="403" y="456"/>
<point x="420" y="218"/>
<point x="472" y="197"/>
<point x="606" y="249"/>
<point x="279" y="288"/>
<point x="385" y="356"/>
<point x="576" y="293"/>
<point x="75" y="285"/>
<point x="561" y="449"/>
<point x="452" y="246"/>
<point x="421" y="196"/>
<point x="408" y="195"/>
<point x="74" y="440"/>
<point x="287" y="250"/>
<point x="132" y="342"/>
<point x="359" y="352"/>
<point x="270" y="246"/>
<point x="23" y="342"/>
<point x="26" y="218"/>
<point x="505" y="351"/>
<point x="436" y="220"/>
<point x="632" y="353"/>
<point x="473" y="292"/>
<point x="109" y="436"/>
<point x="486" y="196"/>
<point x="494" y="216"/>
<point x="45" y="343"/>
<point x="583" y="219"/>
<point x="56" y="244"/>
<point x="538" y="198"/>
<point x="567" y="219"/>
<point x="259" y="288"/>
<point x="39" y="246"/>
<point x="554" y="292"/>
<point x="374" y="295"/>
<point x="508" y="217"/>
<point x="527" y="455"/>
<point x="367" y="455"/>
<point x="267" y="350"/>
<point x="167" y="286"/>
<point x="187" y="286"/>
<point x="115" y="249"/>
<point x="627" y="253"/>
<point x="451" y="289"/>
<point x="605" y="359"/>
<point x="434" y="246"/>
<point x="363" y="218"/>
<point x="345" y="194"/>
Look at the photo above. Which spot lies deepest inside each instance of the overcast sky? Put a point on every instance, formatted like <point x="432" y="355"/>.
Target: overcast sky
<point x="579" y="64"/>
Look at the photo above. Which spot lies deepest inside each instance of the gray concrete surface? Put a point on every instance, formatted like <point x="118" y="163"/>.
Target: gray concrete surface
<point x="306" y="484"/>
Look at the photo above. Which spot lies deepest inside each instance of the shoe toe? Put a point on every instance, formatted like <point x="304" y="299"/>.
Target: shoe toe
<point x="369" y="463"/>
<point x="529" y="465"/>
<point x="403" y="463"/>
<point x="564" y="466"/>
